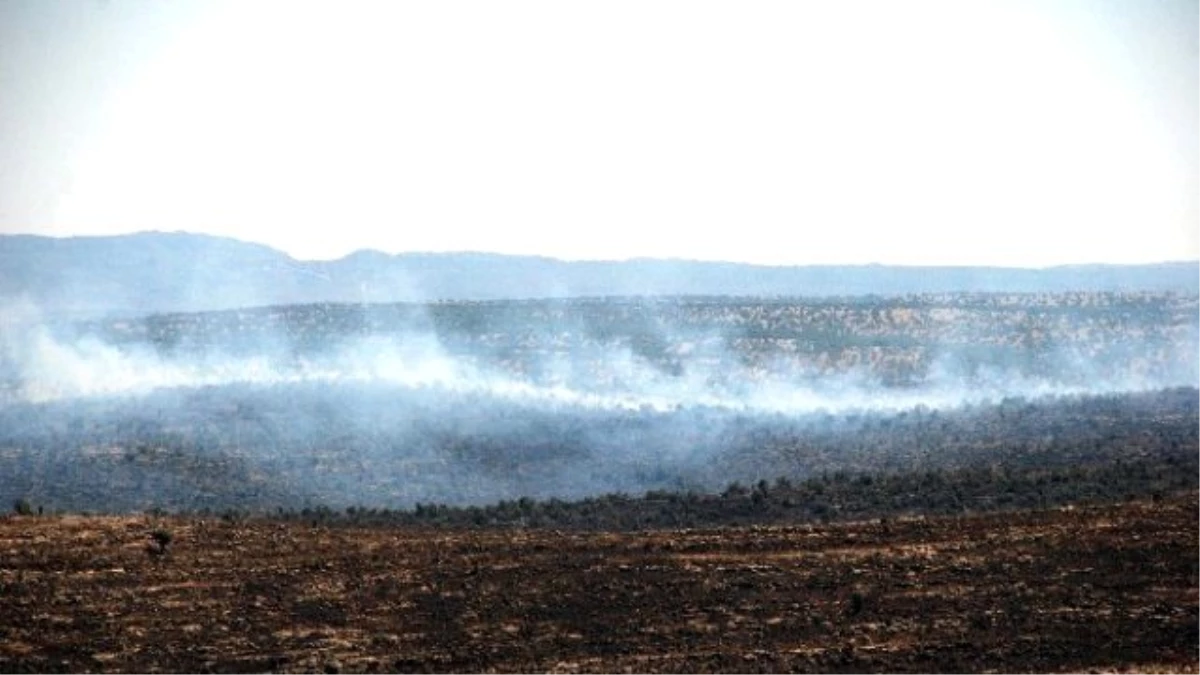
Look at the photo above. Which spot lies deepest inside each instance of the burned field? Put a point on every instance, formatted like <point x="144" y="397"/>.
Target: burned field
<point x="1104" y="587"/>
<point x="471" y="404"/>
<point x="934" y="483"/>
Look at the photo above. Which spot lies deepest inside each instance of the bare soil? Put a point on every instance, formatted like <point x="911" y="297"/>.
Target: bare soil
<point x="1101" y="588"/>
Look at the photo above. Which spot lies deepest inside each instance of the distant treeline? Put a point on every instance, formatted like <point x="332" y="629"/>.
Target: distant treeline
<point x="832" y="497"/>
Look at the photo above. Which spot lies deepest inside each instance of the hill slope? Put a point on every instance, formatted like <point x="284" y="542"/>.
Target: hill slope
<point x="150" y="272"/>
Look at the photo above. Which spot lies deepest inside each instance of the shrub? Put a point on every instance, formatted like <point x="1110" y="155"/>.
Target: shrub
<point x="160" y="539"/>
<point x="856" y="603"/>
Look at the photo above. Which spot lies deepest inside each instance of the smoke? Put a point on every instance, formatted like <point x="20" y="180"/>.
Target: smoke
<point x="40" y="365"/>
<point x="394" y="405"/>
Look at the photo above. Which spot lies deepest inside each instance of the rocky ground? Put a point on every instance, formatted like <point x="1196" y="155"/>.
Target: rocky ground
<point x="1099" y="588"/>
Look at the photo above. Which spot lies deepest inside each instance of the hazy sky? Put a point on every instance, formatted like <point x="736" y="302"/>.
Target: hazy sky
<point x="818" y="131"/>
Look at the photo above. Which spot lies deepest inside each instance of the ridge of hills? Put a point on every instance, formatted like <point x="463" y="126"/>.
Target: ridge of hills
<point x="182" y="272"/>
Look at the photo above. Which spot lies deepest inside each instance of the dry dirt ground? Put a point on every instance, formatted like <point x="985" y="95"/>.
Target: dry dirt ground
<point x="1105" y="588"/>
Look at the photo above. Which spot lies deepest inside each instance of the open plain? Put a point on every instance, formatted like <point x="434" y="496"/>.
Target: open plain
<point x="1081" y="588"/>
<point x="935" y="483"/>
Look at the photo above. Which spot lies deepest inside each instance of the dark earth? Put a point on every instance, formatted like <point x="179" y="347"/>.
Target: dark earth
<point x="1103" y="588"/>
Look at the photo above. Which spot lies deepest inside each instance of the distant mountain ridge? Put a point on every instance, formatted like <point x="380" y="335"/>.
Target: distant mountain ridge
<point x="164" y="272"/>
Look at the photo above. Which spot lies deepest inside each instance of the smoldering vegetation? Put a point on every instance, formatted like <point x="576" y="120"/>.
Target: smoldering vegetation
<point x="390" y="406"/>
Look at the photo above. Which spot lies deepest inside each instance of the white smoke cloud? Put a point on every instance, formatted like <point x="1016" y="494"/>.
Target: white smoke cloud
<point x="43" y="366"/>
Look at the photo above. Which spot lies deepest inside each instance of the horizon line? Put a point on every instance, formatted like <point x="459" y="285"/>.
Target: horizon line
<point x="631" y="259"/>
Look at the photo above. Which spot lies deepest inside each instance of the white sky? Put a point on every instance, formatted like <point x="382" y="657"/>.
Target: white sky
<point x="825" y="131"/>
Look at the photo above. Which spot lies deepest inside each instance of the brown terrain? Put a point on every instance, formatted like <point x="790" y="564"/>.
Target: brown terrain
<point x="1086" y="588"/>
